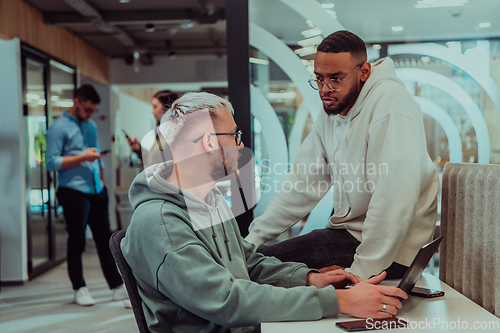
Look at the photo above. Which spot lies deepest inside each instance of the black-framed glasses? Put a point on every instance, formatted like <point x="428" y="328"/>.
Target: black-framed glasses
<point x="90" y="111"/>
<point x="237" y="136"/>
<point x="333" y="84"/>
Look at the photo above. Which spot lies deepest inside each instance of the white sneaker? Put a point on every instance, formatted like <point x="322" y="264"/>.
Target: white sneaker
<point x="119" y="293"/>
<point x="83" y="298"/>
<point x="127" y="304"/>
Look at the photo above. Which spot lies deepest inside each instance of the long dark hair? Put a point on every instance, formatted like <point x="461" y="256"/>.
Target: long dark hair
<point x="166" y="97"/>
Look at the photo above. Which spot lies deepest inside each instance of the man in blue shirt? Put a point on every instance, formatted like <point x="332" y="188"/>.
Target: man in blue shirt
<point x="73" y="150"/>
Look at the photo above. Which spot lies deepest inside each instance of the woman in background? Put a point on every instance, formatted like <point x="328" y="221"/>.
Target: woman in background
<point x="154" y="149"/>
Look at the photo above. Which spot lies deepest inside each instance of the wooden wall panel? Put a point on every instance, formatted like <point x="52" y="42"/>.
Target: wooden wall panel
<point x="18" y="19"/>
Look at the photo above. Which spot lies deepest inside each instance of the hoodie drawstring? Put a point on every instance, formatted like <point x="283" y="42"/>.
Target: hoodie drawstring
<point x="214" y="236"/>
<point x="226" y="240"/>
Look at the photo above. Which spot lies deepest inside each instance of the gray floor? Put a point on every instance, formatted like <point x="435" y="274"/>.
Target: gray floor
<point x="45" y="304"/>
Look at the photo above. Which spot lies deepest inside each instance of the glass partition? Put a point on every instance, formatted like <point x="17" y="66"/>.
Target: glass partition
<point x="48" y="90"/>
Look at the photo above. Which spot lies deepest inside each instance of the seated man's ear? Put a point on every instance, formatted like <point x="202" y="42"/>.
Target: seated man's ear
<point x="208" y="143"/>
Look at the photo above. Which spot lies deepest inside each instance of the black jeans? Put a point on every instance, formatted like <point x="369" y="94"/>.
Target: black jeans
<point x="324" y="247"/>
<point x="81" y="209"/>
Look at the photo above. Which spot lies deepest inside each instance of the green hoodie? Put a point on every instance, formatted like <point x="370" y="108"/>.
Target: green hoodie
<point x="191" y="280"/>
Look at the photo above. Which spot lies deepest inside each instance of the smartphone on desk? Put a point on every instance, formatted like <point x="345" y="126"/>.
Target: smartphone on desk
<point x="426" y="293"/>
<point x="371" y="324"/>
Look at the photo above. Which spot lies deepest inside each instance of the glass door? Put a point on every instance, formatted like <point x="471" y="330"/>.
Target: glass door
<point x="37" y="182"/>
<point x="48" y="87"/>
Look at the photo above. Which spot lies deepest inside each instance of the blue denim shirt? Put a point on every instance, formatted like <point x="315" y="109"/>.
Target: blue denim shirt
<point x="68" y="136"/>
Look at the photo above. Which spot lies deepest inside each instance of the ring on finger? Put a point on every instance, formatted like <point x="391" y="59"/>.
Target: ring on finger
<point x="384" y="308"/>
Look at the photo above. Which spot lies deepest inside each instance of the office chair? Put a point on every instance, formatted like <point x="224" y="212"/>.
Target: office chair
<point x="129" y="280"/>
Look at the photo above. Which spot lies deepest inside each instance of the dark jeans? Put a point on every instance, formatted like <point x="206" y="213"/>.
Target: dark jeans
<point x="81" y="209"/>
<point x="324" y="247"/>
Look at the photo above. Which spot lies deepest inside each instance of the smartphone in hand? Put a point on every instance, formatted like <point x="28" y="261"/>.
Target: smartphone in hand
<point x="126" y="135"/>
<point x="105" y="151"/>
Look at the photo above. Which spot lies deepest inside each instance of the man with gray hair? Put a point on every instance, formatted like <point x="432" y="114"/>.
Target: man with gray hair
<point x="195" y="272"/>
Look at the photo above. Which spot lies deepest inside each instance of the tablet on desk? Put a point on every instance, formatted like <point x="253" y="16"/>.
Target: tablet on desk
<point x="418" y="265"/>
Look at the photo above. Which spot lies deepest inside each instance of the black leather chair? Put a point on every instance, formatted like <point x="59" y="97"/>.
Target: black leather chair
<point x="129" y="280"/>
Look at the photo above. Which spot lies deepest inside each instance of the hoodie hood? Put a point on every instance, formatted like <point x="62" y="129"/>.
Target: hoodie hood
<point x="382" y="71"/>
<point x="151" y="185"/>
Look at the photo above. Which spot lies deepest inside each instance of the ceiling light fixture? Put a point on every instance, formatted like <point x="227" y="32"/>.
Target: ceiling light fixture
<point x="332" y="13"/>
<point x="124" y="1"/>
<point x="311" y="33"/>
<point x="258" y="61"/>
<point x="310" y="23"/>
<point x="484" y="25"/>
<point x="425" y="59"/>
<point x="421" y="4"/>
<point x="305" y="51"/>
<point x="187" y="25"/>
<point x="327" y="5"/>
<point x="377" y="46"/>
<point x="150" y="27"/>
<point x="310" y="41"/>
<point x="397" y="28"/>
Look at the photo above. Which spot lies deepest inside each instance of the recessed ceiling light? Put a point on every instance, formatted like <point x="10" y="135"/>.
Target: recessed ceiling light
<point x="440" y="3"/>
<point x="327" y="5"/>
<point x="310" y="41"/>
<point x="258" y="61"/>
<point x="305" y="51"/>
<point x="332" y="13"/>
<point x="187" y="25"/>
<point x="377" y="46"/>
<point x="311" y="32"/>
<point x="484" y="25"/>
<point x="397" y="28"/>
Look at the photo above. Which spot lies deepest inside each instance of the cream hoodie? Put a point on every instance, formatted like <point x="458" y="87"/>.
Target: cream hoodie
<point x="385" y="184"/>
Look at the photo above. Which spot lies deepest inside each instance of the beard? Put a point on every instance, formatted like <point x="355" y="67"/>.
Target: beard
<point x="225" y="164"/>
<point x="349" y="99"/>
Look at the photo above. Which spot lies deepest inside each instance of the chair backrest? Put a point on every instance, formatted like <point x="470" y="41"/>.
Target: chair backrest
<point x="129" y="280"/>
<point x="470" y="222"/>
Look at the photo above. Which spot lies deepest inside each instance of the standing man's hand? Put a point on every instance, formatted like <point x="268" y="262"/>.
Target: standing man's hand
<point x="338" y="278"/>
<point x="91" y="154"/>
<point x="367" y="300"/>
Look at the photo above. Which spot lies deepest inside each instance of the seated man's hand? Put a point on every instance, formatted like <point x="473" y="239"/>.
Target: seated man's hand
<point x="367" y="300"/>
<point x="330" y="268"/>
<point x="338" y="278"/>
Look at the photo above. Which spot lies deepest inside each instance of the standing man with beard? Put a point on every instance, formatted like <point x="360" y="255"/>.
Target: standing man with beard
<point x="195" y="272"/>
<point x="369" y="144"/>
<point x="73" y="150"/>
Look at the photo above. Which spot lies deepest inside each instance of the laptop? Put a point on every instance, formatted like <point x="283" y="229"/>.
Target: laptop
<point x="418" y="265"/>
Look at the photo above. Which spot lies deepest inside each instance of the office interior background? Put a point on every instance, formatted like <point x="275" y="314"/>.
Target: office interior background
<point x="446" y="51"/>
